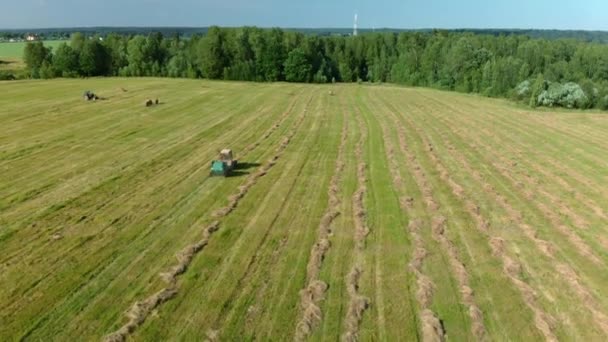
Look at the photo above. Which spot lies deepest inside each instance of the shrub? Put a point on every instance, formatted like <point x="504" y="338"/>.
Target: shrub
<point x="6" y="76"/>
<point x="523" y="90"/>
<point x="569" y="95"/>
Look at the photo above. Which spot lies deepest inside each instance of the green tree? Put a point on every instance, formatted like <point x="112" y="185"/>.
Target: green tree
<point x="65" y="61"/>
<point x="297" y="66"/>
<point x="94" y="59"/>
<point x="34" y="55"/>
<point x="539" y="86"/>
<point x="47" y="71"/>
<point x="136" y="57"/>
<point x="116" y="46"/>
<point x="213" y="57"/>
<point x="272" y="56"/>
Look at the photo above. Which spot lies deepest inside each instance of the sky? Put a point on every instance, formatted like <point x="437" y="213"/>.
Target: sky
<point x="539" y="14"/>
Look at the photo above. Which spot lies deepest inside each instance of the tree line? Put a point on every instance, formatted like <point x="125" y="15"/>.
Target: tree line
<point x="565" y="72"/>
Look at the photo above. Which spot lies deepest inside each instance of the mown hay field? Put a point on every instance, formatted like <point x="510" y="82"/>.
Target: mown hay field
<point x="376" y="213"/>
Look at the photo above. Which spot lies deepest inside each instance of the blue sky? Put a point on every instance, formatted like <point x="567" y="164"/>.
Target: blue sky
<point x="544" y="14"/>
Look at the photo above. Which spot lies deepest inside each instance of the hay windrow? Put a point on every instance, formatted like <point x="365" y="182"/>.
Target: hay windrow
<point x="431" y="327"/>
<point x="600" y="318"/>
<point x="356" y="307"/>
<point x="543" y="322"/>
<point x="514" y="269"/>
<point x="438" y="228"/>
<point x="141" y="310"/>
<point x="272" y="129"/>
<point x="233" y="200"/>
<point x="357" y="303"/>
<point x="503" y="166"/>
<point x="313" y="294"/>
<point x="138" y="313"/>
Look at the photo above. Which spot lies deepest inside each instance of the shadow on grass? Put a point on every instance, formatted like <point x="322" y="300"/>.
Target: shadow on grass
<point x="237" y="174"/>
<point x="246" y="166"/>
<point x="242" y="169"/>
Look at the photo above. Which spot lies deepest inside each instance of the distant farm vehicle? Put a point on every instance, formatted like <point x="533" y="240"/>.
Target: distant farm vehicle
<point x="224" y="165"/>
<point x="90" y="96"/>
<point x="150" y="103"/>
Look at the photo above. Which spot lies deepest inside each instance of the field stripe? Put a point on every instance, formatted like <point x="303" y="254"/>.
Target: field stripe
<point x="357" y="303"/>
<point x="432" y="329"/>
<point x="314" y="292"/>
<point x="543" y="246"/>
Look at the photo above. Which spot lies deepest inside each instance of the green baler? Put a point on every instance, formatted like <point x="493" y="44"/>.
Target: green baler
<point x="224" y="165"/>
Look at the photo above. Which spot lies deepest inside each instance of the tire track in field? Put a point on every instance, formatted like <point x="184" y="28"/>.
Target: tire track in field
<point x="140" y="310"/>
<point x="314" y="291"/>
<point x="357" y="303"/>
<point x="438" y="230"/>
<point x="432" y="328"/>
<point x="511" y="268"/>
<point x="545" y="247"/>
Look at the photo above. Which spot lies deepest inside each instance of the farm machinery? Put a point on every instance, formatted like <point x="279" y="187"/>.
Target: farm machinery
<point x="90" y="96"/>
<point x="224" y="165"/>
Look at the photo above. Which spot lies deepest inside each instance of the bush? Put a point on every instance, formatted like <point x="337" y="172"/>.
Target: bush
<point x="7" y="76"/>
<point x="569" y="95"/>
<point x="523" y="91"/>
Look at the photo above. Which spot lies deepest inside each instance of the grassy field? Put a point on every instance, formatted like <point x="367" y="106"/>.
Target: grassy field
<point x="11" y="54"/>
<point x="379" y="213"/>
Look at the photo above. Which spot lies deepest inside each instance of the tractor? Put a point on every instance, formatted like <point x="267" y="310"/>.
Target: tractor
<point x="224" y="165"/>
<point x="90" y="96"/>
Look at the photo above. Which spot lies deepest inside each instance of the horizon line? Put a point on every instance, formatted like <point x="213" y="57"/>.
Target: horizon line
<point x="302" y="28"/>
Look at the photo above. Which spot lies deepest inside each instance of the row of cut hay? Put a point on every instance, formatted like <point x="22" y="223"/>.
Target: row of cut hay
<point x="581" y="246"/>
<point x="545" y="247"/>
<point x="314" y="292"/>
<point x="357" y="303"/>
<point x="554" y="170"/>
<point x="272" y="128"/>
<point x="138" y="313"/>
<point x="432" y="329"/>
<point x="233" y="200"/>
<point x="141" y="310"/>
<point x="438" y="227"/>
<point x="543" y="322"/>
<point x="548" y="249"/>
<point x="504" y="166"/>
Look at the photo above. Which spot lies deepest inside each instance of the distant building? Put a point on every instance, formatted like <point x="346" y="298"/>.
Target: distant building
<point x="31" y="38"/>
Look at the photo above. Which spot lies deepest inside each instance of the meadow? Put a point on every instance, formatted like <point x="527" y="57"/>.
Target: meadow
<point x="358" y="213"/>
<point x="11" y="54"/>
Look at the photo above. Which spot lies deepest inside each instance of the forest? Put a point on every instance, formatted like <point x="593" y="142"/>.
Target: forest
<point x="540" y="72"/>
